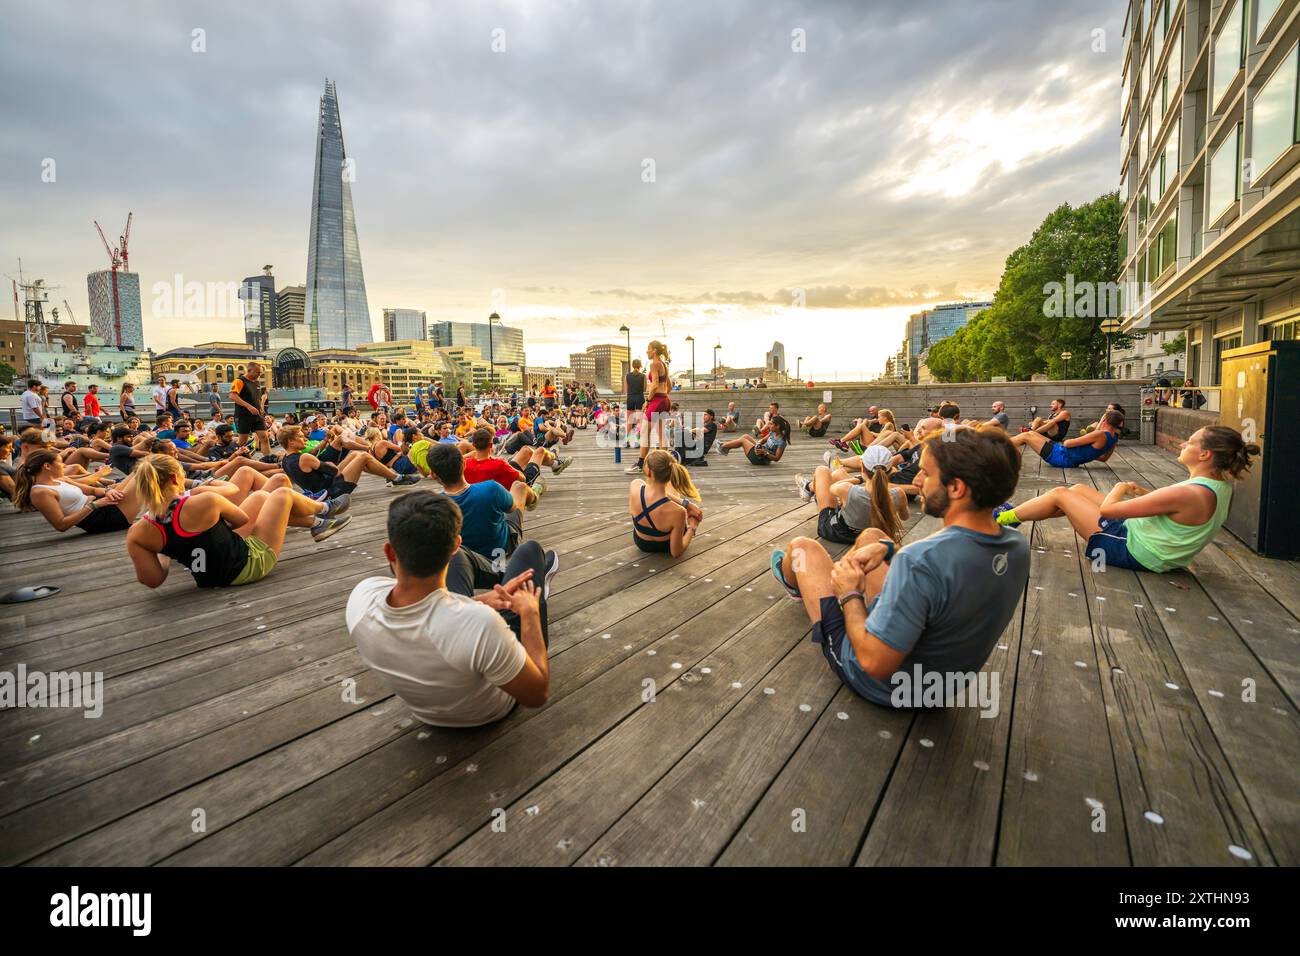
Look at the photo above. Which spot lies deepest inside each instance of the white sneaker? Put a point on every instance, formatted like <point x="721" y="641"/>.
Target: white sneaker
<point x="633" y="470"/>
<point x="801" y="482"/>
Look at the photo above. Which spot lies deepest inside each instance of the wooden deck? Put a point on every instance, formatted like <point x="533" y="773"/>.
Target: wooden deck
<point x="1122" y="736"/>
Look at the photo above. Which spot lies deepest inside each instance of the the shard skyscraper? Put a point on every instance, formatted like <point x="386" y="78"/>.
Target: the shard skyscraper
<point x="335" y="305"/>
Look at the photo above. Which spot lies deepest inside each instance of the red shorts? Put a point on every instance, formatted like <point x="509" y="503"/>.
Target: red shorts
<point x="658" y="404"/>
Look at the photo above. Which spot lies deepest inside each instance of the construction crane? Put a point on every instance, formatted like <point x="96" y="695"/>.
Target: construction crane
<point x="35" y="295"/>
<point x="117" y="258"/>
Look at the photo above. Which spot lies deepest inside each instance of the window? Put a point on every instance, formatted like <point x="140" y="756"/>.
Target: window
<point x="1225" y="176"/>
<point x="1266" y="10"/>
<point x="1283" y="331"/>
<point x="1273" y="115"/>
<point x="1160" y="25"/>
<point x="1229" y="51"/>
<point x="1173" y="76"/>
<point x="1220" y="346"/>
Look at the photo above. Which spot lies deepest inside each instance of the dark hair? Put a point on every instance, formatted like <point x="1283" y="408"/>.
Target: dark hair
<point x="1114" y="419"/>
<point x="481" y="439"/>
<point x="782" y="426"/>
<point x="1230" y="452"/>
<point x="710" y="413"/>
<point x="1061" y="400"/>
<point x="1118" y="407"/>
<point x="983" y="458"/>
<point x="447" y="463"/>
<point x="422" y="528"/>
<point x="951" y="412"/>
<point x="122" y="431"/>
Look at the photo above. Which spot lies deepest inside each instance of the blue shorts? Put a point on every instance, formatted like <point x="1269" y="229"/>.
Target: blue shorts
<point x="1112" y="542"/>
<point x="833" y="635"/>
<point x="404" y="466"/>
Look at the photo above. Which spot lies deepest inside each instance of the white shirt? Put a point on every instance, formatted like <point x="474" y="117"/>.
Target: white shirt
<point x="31" y="406"/>
<point x="160" y="396"/>
<point x="445" y="656"/>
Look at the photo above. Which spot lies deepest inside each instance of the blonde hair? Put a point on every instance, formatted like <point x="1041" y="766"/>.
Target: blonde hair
<point x="889" y="416"/>
<point x="668" y="470"/>
<point x="153" y="474"/>
<point x="659" y="350"/>
<point x="289" y="433"/>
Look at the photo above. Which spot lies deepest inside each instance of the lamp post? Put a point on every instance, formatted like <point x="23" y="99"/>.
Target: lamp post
<point x="691" y="339"/>
<point x="715" y="362"/>
<point x="798" y="368"/>
<point x="1109" y="326"/>
<point x="492" y="357"/>
<point x="1065" y="361"/>
<point x="628" y="332"/>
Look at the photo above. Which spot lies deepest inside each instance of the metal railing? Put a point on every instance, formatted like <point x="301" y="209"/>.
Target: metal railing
<point x="1202" y="398"/>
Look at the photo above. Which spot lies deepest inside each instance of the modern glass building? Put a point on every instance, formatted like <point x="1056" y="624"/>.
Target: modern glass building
<point x="335" y="301"/>
<point x="503" y="346"/>
<point x="125" y="329"/>
<point x="1210" y="173"/>
<point x="403" y="324"/>
<point x="290" y="309"/>
<point x="258" y="295"/>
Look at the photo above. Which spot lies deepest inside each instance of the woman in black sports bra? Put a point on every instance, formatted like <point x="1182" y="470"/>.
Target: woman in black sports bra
<point x="222" y="544"/>
<point x="663" y="505"/>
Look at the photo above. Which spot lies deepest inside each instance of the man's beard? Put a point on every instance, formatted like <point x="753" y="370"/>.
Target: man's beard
<point x="936" y="505"/>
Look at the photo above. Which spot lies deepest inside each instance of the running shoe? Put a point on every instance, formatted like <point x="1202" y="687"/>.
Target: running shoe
<point x="560" y="464"/>
<point x="1005" y="506"/>
<point x="801" y="482"/>
<point x="535" y="491"/>
<point x="404" y="480"/>
<point x="568" y="436"/>
<point x="778" y="556"/>
<point x="325" y="527"/>
<point x="336" y="506"/>
<point x="723" y="450"/>
<point x="321" y="495"/>
<point x="633" y="469"/>
<point x="552" y="566"/>
<point x="271" y="459"/>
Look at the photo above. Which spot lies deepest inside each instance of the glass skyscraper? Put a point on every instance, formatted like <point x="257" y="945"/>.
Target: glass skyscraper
<point x="335" y="302"/>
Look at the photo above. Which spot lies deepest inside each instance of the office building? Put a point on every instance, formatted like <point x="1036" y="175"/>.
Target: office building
<point x="257" y="294"/>
<point x="335" y="298"/>
<point x="405" y="324"/>
<point x="1210" y="174"/>
<point x="117" y="319"/>
<point x="289" y="306"/>
<point x="498" y="344"/>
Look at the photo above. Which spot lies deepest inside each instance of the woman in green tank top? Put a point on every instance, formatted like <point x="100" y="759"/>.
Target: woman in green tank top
<point x="1144" y="530"/>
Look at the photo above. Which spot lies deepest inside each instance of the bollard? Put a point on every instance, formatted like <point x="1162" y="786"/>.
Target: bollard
<point x="618" y="454"/>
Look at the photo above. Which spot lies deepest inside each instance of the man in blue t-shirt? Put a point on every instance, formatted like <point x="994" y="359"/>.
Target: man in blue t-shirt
<point x="493" y="518"/>
<point x="936" y="607"/>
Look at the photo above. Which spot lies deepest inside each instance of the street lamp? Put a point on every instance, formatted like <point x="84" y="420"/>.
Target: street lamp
<point x="691" y="339"/>
<point x="492" y="357"/>
<point x="1109" y="326"/>
<point x="628" y="332"/>
<point x="798" y="368"/>
<point x="1065" y="360"/>
<point x="715" y="362"/>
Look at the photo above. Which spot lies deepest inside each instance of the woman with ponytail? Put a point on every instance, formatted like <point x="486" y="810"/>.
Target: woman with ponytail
<point x="657" y="404"/>
<point x="41" y="485"/>
<point x="221" y="543"/>
<point x="664" y="505"/>
<point x="1143" y="530"/>
<point x="848" y="508"/>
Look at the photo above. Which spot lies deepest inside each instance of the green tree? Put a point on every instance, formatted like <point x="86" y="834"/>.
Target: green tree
<point x="1175" y="346"/>
<point x="7" y="373"/>
<point x="1054" y="293"/>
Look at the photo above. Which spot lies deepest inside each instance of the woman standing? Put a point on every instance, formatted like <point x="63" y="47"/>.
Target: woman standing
<point x="126" y="401"/>
<point x="657" y="402"/>
<point x="221" y="543"/>
<point x="663" y="505"/>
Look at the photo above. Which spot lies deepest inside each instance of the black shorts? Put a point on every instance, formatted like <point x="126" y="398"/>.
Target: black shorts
<point x="531" y="471"/>
<point x="104" y="520"/>
<point x="818" y="431"/>
<point x="636" y="404"/>
<point x="246" y="424"/>
<point x="655" y="546"/>
<point x="330" y="454"/>
<point x="832" y="528"/>
<point x="757" y="459"/>
<point x="341" y="486"/>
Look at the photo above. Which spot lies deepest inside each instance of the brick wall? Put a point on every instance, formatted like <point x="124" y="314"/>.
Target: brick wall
<point x="1176" y="425"/>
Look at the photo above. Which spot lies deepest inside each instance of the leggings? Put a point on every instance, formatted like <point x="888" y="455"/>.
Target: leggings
<point x="469" y="571"/>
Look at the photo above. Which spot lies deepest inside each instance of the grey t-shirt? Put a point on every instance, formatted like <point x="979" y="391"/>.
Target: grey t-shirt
<point x="1002" y="419"/>
<point x="945" y="602"/>
<point x="31" y="406"/>
<point x="856" y="511"/>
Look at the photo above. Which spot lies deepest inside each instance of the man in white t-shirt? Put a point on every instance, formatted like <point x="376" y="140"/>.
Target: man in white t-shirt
<point x="451" y="657"/>
<point x="160" y="396"/>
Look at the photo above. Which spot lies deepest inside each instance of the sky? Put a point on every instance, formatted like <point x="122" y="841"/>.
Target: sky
<point x="743" y="172"/>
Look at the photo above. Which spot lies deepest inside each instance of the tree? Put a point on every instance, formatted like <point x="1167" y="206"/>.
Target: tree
<point x="1053" y="295"/>
<point x="1177" y="345"/>
<point x="7" y="374"/>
